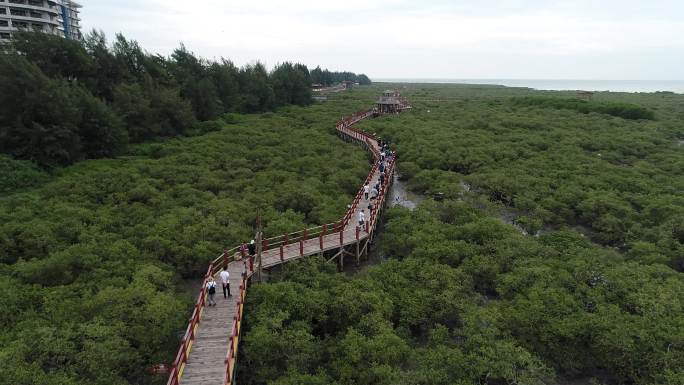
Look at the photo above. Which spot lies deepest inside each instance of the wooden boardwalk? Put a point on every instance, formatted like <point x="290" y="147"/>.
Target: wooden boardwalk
<point x="215" y="330"/>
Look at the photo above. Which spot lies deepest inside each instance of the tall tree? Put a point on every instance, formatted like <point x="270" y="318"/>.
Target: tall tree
<point x="291" y="84"/>
<point x="256" y="88"/>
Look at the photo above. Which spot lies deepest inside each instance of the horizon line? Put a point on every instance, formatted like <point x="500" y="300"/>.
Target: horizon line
<point x="537" y="79"/>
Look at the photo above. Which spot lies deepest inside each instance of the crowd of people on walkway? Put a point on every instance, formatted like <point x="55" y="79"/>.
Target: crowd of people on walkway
<point x="372" y="193"/>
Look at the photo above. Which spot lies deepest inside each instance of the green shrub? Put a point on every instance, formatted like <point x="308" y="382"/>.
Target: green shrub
<point x="622" y="110"/>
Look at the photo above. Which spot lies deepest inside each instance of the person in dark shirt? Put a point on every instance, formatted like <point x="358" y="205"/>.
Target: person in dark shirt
<point x="252" y="248"/>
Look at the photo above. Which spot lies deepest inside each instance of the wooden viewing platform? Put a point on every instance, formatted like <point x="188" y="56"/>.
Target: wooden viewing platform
<point x="208" y="350"/>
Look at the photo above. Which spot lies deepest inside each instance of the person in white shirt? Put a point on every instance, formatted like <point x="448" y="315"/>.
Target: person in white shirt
<point x="211" y="290"/>
<point x="366" y="188"/>
<point x="362" y="218"/>
<point x="225" y="275"/>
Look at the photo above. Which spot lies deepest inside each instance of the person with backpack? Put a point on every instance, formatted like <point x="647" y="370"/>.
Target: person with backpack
<point x="211" y="290"/>
<point x="374" y="192"/>
<point x="225" y="282"/>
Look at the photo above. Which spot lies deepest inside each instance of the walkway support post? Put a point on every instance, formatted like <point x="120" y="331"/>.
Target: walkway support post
<point x="259" y="247"/>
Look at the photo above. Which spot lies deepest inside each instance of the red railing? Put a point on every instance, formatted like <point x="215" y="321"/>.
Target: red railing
<point x="231" y="356"/>
<point x="190" y="333"/>
<point x="343" y="126"/>
<point x="234" y="254"/>
<point x="280" y="241"/>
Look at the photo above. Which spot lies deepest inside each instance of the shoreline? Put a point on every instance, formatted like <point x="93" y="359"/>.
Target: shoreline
<point x="629" y="86"/>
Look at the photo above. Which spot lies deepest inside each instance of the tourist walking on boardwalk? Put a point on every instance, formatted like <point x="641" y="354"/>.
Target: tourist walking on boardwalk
<point x="252" y="252"/>
<point x="362" y="218"/>
<point x="374" y="192"/>
<point x="381" y="167"/>
<point x="225" y="282"/>
<point x="370" y="208"/>
<point x="382" y="178"/>
<point x="211" y="290"/>
<point x="366" y="188"/>
<point x="252" y="248"/>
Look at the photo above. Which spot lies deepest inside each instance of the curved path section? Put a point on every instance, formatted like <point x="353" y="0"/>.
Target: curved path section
<point x="202" y="357"/>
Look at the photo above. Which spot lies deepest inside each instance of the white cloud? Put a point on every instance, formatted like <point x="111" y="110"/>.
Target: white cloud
<point x="412" y="39"/>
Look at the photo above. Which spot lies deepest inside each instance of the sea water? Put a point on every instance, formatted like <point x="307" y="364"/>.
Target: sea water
<point x="676" y="86"/>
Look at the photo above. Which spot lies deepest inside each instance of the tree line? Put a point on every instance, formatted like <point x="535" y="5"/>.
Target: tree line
<point x="64" y="101"/>
<point x="328" y="78"/>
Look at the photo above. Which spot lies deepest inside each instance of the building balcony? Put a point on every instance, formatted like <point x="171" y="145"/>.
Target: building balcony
<point x="30" y="19"/>
<point x="28" y="8"/>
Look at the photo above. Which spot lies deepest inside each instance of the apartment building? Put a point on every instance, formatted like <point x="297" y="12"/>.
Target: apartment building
<point x="54" y="17"/>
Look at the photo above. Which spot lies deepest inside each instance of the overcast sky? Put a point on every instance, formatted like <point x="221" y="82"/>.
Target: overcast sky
<point x="477" y="39"/>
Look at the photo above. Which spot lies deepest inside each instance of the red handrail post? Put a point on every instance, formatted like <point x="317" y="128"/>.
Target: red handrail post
<point x="306" y="234"/>
<point x="301" y="247"/>
<point x="320" y="241"/>
<point x="342" y="236"/>
<point x="287" y="238"/>
<point x="366" y="226"/>
<point x="251" y="263"/>
<point x="281" y="253"/>
<point x="325" y="228"/>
